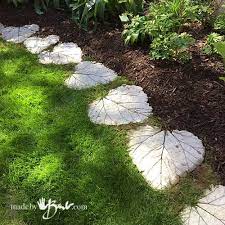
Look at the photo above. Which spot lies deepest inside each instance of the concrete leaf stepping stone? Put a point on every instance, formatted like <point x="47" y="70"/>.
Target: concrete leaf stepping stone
<point x="89" y="74"/>
<point x="164" y="156"/>
<point x="19" y="34"/>
<point x="123" y="105"/>
<point x="37" y="44"/>
<point x="63" y="53"/>
<point x="209" y="211"/>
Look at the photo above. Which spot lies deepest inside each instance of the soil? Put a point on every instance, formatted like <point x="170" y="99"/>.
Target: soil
<point x="190" y="96"/>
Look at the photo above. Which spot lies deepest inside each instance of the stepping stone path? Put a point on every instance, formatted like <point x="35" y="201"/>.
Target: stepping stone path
<point x="209" y="211"/>
<point x="161" y="156"/>
<point x="36" y="45"/>
<point x="89" y="74"/>
<point x="19" y="34"/>
<point x="123" y="105"/>
<point x="164" y="156"/>
<point x="64" y="53"/>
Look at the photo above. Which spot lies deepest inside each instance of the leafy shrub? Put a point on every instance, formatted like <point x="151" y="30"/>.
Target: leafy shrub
<point x="164" y="24"/>
<point x="219" y="23"/>
<point x="212" y="38"/>
<point x="17" y="2"/>
<point x="166" y="16"/>
<point x="41" y="5"/>
<point x="172" y="46"/>
<point x="84" y="11"/>
<point x="136" y="30"/>
<point x="220" y="48"/>
<point x="171" y="15"/>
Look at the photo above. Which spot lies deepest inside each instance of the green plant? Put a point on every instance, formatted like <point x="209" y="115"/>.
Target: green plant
<point x="163" y="17"/>
<point x="84" y="11"/>
<point x="41" y="5"/>
<point x="17" y="2"/>
<point x="172" y="46"/>
<point x="219" y="23"/>
<point x="165" y="22"/>
<point x="136" y="30"/>
<point x="220" y="47"/>
<point x="171" y="15"/>
<point x="212" y="38"/>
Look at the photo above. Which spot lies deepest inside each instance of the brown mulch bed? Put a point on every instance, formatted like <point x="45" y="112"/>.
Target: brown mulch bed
<point x="189" y="97"/>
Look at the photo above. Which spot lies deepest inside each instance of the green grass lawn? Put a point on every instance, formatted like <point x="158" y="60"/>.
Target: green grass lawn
<point x="50" y="149"/>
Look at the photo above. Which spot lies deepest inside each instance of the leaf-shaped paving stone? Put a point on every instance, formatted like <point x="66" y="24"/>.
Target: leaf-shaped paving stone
<point x="37" y="44"/>
<point x="123" y="105"/>
<point x="63" y="53"/>
<point x="209" y="211"/>
<point x="89" y="74"/>
<point x="19" y="34"/>
<point x="164" y="156"/>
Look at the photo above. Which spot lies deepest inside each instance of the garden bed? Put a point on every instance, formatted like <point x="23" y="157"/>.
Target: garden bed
<point x="189" y="97"/>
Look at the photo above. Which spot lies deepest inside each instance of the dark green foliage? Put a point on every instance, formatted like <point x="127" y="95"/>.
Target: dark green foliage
<point x="41" y="5"/>
<point x="84" y="11"/>
<point x="219" y="23"/>
<point x="212" y="38"/>
<point x="18" y="2"/>
<point x="220" y="48"/>
<point x="172" y="46"/>
<point x="163" y="20"/>
<point x="164" y="17"/>
<point x="136" y="31"/>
